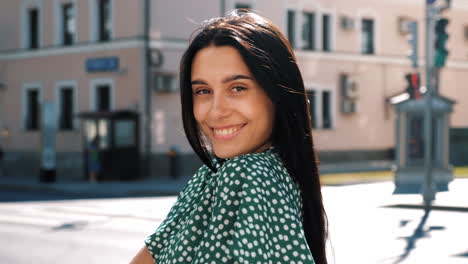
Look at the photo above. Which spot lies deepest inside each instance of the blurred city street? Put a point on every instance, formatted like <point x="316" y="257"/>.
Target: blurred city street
<point x="367" y="225"/>
<point x="94" y="149"/>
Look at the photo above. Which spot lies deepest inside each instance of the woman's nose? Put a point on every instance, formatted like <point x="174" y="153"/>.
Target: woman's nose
<point x="220" y="107"/>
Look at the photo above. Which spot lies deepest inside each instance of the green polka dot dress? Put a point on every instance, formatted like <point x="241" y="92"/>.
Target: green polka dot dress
<point x="247" y="212"/>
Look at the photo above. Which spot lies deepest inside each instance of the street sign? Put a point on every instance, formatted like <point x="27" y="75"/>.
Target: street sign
<point x="103" y="64"/>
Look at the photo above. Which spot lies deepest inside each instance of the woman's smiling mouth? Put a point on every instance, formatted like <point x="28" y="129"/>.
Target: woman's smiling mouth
<point x="226" y="132"/>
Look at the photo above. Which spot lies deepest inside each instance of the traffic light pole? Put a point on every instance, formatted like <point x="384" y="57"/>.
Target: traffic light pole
<point x="428" y="187"/>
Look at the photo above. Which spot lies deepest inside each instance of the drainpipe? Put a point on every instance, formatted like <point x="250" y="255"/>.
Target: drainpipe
<point x="148" y="100"/>
<point x="223" y="7"/>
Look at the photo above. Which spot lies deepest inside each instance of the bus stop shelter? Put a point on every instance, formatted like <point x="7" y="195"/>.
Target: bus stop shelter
<point x="113" y="140"/>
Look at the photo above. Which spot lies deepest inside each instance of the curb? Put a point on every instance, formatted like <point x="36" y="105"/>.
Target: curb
<point x="99" y="190"/>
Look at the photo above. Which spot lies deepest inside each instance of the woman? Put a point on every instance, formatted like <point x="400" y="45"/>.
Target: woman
<point x="259" y="198"/>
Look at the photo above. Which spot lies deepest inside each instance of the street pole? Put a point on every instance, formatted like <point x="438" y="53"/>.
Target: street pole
<point x="428" y="188"/>
<point x="223" y="7"/>
<point x="147" y="91"/>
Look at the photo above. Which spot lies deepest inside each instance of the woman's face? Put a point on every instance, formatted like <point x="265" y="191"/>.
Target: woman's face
<point x="230" y="107"/>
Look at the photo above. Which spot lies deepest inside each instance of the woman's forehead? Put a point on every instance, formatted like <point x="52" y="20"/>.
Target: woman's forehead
<point x="218" y="60"/>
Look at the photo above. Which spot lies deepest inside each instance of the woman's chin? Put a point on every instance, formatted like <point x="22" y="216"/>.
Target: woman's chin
<point x="226" y="152"/>
<point x="224" y="155"/>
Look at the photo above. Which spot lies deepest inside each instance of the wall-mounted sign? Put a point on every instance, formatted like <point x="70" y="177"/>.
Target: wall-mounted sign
<point x="102" y="64"/>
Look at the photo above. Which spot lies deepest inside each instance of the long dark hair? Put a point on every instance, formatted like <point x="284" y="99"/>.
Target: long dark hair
<point x="271" y="60"/>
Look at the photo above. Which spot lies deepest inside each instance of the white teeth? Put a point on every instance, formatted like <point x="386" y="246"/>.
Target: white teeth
<point x="226" y="132"/>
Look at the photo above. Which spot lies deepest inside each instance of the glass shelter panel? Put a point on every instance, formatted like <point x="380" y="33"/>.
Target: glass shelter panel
<point x="416" y="140"/>
<point x="125" y="133"/>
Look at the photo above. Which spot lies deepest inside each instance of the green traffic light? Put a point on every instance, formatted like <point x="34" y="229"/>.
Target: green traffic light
<point x="441" y="37"/>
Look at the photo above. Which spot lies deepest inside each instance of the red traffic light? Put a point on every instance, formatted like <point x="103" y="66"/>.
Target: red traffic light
<point x="413" y="85"/>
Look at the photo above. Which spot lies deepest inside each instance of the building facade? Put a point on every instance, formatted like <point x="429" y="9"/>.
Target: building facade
<point x="90" y="56"/>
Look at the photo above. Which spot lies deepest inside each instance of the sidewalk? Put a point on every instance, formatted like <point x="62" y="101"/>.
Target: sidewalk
<point x="331" y="175"/>
<point x="356" y="166"/>
<point x="121" y="189"/>
<point x="164" y="186"/>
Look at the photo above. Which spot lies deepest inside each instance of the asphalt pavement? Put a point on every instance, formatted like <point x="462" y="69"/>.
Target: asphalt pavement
<point x="368" y="224"/>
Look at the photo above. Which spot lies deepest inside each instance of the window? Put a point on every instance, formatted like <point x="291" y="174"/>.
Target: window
<point x="313" y="104"/>
<point x="326" y="109"/>
<point x="68" y="24"/>
<point x="243" y="6"/>
<point x="367" y="36"/>
<point x="103" y="98"/>
<point x="66" y="108"/>
<point x="104" y="20"/>
<point x="291" y="27"/>
<point x="326" y="33"/>
<point x="32" y="118"/>
<point x="416" y="139"/>
<point x="164" y="82"/>
<point x="308" y="31"/>
<point x="33" y="28"/>
<point x="320" y="108"/>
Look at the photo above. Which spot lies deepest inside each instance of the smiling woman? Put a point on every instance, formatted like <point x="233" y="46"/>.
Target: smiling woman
<point x="231" y="108"/>
<point x="258" y="198"/>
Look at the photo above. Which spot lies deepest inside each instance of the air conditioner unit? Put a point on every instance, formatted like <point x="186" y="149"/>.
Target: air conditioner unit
<point x="348" y="106"/>
<point x="350" y="89"/>
<point x="404" y="25"/>
<point x="347" y="23"/>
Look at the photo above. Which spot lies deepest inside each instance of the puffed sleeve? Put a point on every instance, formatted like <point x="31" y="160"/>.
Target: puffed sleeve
<point x="256" y="216"/>
<point x="158" y="242"/>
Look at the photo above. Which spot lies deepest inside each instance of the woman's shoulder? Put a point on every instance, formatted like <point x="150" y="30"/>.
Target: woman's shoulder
<point x="265" y="160"/>
<point x="255" y="168"/>
<point x="259" y="173"/>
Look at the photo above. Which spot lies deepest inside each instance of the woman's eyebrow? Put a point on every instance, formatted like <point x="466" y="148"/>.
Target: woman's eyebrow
<point x="236" y="77"/>
<point x="225" y="80"/>
<point x="198" y="81"/>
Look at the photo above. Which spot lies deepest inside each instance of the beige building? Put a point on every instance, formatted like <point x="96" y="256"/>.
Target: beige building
<point x="89" y="55"/>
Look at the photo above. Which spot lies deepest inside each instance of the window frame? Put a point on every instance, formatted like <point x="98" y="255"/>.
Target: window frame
<point x="94" y="84"/>
<point x="313" y="34"/>
<point x="242" y="3"/>
<point x="26" y="87"/>
<point x="164" y="77"/>
<point x="59" y="21"/>
<point x="26" y="5"/>
<point x="231" y="4"/>
<point x="95" y="20"/>
<point x="363" y="49"/>
<point x="330" y="34"/>
<point x="59" y="86"/>
<point x="368" y="13"/>
<point x="318" y="108"/>
<point x="319" y="12"/>
<point x="292" y="36"/>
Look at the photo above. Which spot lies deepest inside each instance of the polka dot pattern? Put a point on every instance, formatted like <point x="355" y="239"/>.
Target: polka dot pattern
<point x="247" y="212"/>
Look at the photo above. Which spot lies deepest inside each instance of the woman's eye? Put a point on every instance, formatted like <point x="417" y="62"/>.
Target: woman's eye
<point x="202" y="91"/>
<point x="238" y="88"/>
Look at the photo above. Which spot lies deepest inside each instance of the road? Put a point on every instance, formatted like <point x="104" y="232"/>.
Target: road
<point x="64" y="229"/>
<point x="367" y="225"/>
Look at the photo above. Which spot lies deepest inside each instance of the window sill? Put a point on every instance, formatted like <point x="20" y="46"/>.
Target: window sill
<point x="68" y="131"/>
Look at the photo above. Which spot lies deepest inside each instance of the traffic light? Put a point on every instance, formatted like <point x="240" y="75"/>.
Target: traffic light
<point x="413" y="41"/>
<point x="441" y="37"/>
<point x="412" y="89"/>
